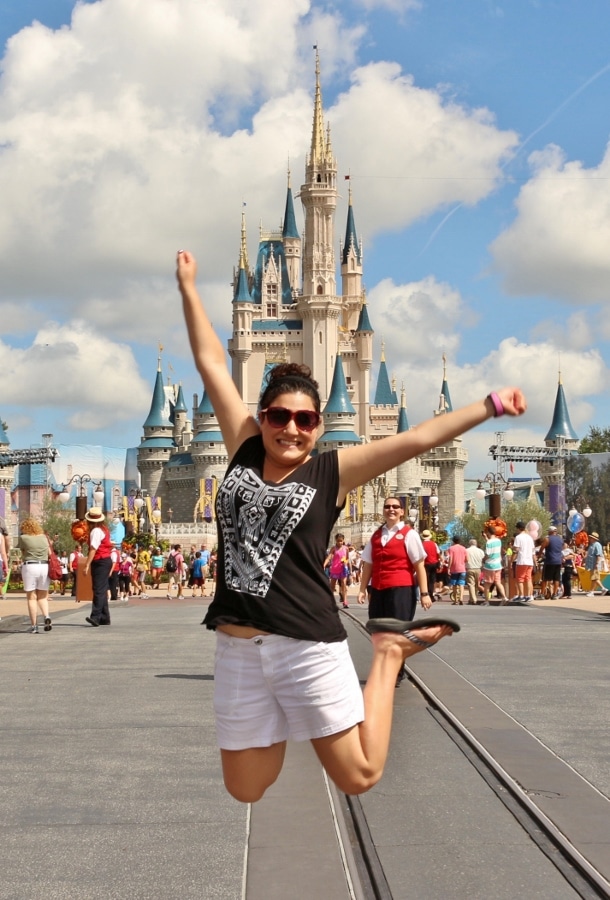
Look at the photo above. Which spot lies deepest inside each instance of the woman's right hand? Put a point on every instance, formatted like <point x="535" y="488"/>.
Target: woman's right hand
<point x="186" y="269"/>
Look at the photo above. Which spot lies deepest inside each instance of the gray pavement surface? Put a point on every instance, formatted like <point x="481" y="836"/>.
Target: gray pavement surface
<point x="112" y="785"/>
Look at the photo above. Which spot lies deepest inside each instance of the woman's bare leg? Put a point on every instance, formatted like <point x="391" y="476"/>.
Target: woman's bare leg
<point x="248" y="773"/>
<point x="355" y="758"/>
<point x="42" y="598"/>
<point x="32" y="606"/>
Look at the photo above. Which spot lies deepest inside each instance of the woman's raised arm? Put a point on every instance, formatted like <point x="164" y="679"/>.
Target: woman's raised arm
<point x="236" y="422"/>
<point x="357" y="465"/>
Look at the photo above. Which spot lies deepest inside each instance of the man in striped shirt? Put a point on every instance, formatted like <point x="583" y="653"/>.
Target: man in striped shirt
<point x="492" y="565"/>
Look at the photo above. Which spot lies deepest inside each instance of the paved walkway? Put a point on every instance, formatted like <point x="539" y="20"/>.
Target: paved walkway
<point x="112" y="786"/>
<point x="14" y="603"/>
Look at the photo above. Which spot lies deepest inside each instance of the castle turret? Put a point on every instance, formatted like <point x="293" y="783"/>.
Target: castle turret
<point x="209" y="454"/>
<point x="319" y="307"/>
<point x="451" y="460"/>
<point x="292" y="242"/>
<point x="182" y="434"/>
<point x="384" y="409"/>
<point x="561" y="436"/>
<point x="351" y="271"/>
<point x="444" y="403"/>
<point x="156" y="447"/>
<point x="339" y="414"/>
<point x="240" y="345"/>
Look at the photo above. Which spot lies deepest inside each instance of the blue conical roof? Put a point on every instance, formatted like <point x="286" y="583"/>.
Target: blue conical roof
<point x="351" y="238"/>
<point x="445" y="397"/>
<point x="158" y="416"/>
<point x="561" y="427"/>
<point x="242" y="291"/>
<point x="290" y="229"/>
<point x="338" y="401"/>
<point x="205" y="407"/>
<point x="384" y="395"/>
<point x="364" y="323"/>
<point x="403" y="422"/>
<point x="180" y="405"/>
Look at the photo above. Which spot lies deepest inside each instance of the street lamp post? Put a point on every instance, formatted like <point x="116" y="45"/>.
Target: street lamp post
<point x="138" y="503"/>
<point x="433" y="505"/>
<point x="81" y="497"/>
<point x="156" y="521"/>
<point x="496" y="483"/>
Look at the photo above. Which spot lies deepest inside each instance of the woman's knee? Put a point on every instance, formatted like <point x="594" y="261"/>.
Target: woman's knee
<point x="245" y="793"/>
<point x="354" y="782"/>
<point x="248" y="773"/>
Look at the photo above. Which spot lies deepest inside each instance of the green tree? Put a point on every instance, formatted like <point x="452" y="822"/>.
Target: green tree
<point x="57" y="520"/>
<point x="145" y="541"/>
<point x="596" y="441"/>
<point x="587" y="480"/>
<point x="470" y="525"/>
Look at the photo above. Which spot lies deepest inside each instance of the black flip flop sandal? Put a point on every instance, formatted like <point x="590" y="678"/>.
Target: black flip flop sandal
<point x="400" y="626"/>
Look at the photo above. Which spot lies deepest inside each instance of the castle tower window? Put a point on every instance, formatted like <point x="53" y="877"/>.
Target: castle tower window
<point x="271" y="307"/>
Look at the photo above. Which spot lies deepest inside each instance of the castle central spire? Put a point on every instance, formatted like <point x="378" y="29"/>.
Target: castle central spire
<point x="318" y="142"/>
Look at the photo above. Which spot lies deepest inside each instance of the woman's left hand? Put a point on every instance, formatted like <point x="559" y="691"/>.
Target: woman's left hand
<point x="513" y="401"/>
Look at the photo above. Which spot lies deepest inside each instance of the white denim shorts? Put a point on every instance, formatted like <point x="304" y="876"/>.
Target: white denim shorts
<point x="35" y="576"/>
<point x="270" y="688"/>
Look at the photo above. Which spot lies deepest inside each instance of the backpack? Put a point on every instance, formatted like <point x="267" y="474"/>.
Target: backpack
<point x="171" y="565"/>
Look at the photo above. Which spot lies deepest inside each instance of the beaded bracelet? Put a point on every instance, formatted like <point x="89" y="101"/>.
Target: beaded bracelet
<point x="497" y="404"/>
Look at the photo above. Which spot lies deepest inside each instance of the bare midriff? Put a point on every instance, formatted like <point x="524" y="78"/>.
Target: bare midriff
<point x="240" y="631"/>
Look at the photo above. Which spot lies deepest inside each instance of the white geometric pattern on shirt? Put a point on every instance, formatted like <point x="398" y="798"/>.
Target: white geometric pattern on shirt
<point x="256" y="521"/>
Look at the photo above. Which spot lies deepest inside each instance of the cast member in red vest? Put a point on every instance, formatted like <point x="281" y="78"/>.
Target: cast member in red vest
<point x="99" y="561"/>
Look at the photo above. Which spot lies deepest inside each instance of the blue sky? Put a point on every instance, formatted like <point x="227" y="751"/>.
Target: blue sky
<point x="476" y="136"/>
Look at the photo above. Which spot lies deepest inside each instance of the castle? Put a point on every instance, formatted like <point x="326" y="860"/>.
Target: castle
<point x="287" y="308"/>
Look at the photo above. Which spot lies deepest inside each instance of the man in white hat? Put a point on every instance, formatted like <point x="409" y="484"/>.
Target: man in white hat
<point x="594" y="563"/>
<point x="99" y="561"/>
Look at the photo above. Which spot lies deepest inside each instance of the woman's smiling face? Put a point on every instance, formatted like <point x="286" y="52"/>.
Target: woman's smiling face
<point x="290" y="445"/>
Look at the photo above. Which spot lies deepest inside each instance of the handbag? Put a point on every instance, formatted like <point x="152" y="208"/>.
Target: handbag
<point x="55" y="567"/>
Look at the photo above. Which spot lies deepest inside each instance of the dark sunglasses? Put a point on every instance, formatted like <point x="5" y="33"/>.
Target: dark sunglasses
<point x="279" y="417"/>
<point x="392" y="506"/>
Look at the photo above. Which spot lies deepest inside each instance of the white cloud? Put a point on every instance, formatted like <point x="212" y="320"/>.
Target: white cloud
<point x="576" y="332"/>
<point x="421" y="321"/>
<point x="90" y="381"/>
<point x="116" y="151"/>
<point x="422" y="153"/>
<point x="417" y="321"/>
<point x="558" y="244"/>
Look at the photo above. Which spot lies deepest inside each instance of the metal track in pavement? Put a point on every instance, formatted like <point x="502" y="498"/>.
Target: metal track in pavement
<point x="582" y="876"/>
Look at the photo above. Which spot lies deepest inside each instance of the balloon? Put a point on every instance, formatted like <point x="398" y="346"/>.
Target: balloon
<point x="534" y="528"/>
<point x="576" y="522"/>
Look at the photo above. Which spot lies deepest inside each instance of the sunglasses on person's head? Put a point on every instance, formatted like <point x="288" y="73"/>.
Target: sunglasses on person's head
<point x="392" y="506"/>
<point x="279" y="417"/>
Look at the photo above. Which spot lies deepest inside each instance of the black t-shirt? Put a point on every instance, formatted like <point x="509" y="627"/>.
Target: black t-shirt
<point x="272" y="541"/>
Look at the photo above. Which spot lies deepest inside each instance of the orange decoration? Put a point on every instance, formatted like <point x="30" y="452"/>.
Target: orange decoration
<point x="80" y="531"/>
<point x="499" y="526"/>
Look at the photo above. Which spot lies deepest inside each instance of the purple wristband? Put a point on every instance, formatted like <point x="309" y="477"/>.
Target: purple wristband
<point x="497" y="404"/>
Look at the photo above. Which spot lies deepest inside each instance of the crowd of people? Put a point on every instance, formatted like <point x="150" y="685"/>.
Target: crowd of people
<point x="116" y="573"/>
<point x="542" y="568"/>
